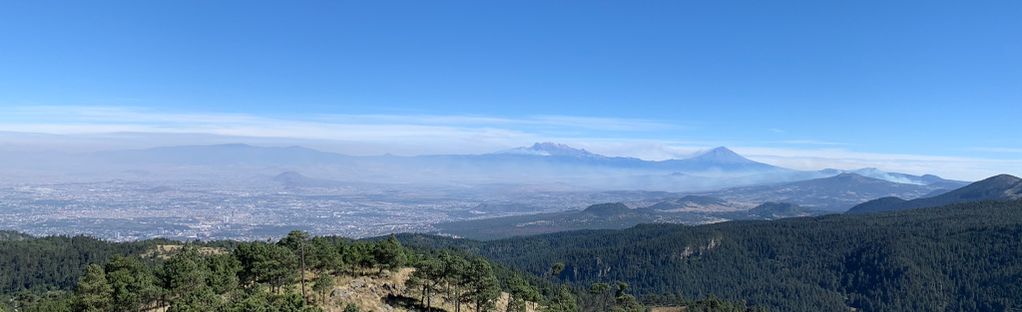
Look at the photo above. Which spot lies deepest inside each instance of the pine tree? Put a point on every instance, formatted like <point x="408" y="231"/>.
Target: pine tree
<point x="429" y="273"/>
<point x="185" y="272"/>
<point x="199" y="300"/>
<point x="360" y="255"/>
<point x="564" y="301"/>
<point x="223" y="273"/>
<point x="94" y="292"/>
<point x="601" y="292"/>
<point x="266" y="263"/>
<point x="624" y="302"/>
<point x="456" y="275"/>
<point x="389" y="254"/>
<point x="483" y="287"/>
<point x="326" y="255"/>
<point x="323" y="284"/>
<point x="556" y="269"/>
<point x="250" y="300"/>
<point x="134" y="286"/>
<point x="296" y="241"/>
<point x="519" y="292"/>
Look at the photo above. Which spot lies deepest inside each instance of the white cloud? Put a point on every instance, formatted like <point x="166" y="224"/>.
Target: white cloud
<point x="968" y="168"/>
<point x="1003" y="150"/>
<point x="809" y="142"/>
<point x="77" y="119"/>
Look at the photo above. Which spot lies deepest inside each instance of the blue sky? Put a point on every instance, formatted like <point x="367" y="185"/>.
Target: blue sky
<point x="869" y="81"/>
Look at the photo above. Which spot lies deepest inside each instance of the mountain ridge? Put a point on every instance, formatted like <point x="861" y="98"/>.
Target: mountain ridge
<point x="918" y="260"/>
<point x="1001" y="187"/>
<point x="835" y="194"/>
<point x="541" y="163"/>
<point x="552" y="149"/>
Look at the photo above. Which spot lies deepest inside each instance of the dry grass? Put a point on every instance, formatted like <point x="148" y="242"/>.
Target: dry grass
<point x="166" y="251"/>
<point x="368" y="293"/>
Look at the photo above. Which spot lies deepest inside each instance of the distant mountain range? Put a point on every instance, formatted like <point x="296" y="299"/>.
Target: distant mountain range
<point x="620" y="216"/>
<point x="552" y="149"/>
<point x="787" y="200"/>
<point x="836" y="193"/>
<point x="717" y="160"/>
<point x="997" y="188"/>
<point x="720" y="160"/>
<point x="595" y="217"/>
<point x="539" y="164"/>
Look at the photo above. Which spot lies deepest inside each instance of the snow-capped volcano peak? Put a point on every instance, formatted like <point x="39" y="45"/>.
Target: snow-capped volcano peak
<point x="721" y="155"/>
<point x="552" y="149"/>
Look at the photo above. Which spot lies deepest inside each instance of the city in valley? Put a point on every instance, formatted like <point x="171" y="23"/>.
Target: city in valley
<point x="247" y="192"/>
<point x="122" y="210"/>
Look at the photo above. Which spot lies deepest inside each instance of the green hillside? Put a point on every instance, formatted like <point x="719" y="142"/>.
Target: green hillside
<point x="295" y="274"/>
<point x="965" y="257"/>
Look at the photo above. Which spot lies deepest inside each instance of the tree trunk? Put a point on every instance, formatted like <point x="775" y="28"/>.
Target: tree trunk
<point x="457" y="301"/>
<point x="301" y="274"/>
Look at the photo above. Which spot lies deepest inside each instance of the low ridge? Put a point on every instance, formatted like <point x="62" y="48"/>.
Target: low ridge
<point x="608" y="209"/>
<point x="999" y="188"/>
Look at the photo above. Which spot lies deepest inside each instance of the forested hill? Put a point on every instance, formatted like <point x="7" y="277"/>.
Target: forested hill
<point x="47" y="263"/>
<point x="1000" y="187"/>
<point x="964" y="257"/>
<point x="296" y="274"/>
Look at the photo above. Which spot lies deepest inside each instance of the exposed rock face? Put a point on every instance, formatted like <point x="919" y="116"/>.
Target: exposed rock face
<point x="368" y="292"/>
<point x="387" y="292"/>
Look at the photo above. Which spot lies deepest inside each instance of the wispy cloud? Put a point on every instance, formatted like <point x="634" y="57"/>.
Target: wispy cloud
<point x="1004" y="150"/>
<point x="432" y="133"/>
<point x="809" y="142"/>
<point x="969" y="168"/>
<point x="78" y="119"/>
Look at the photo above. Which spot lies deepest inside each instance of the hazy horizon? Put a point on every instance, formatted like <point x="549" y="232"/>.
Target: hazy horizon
<point x="134" y="128"/>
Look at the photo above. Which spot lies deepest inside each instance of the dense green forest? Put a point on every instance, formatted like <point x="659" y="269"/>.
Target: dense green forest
<point x="53" y="263"/>
<point x="964" y="257"/>
<point x="293" y="274"/>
